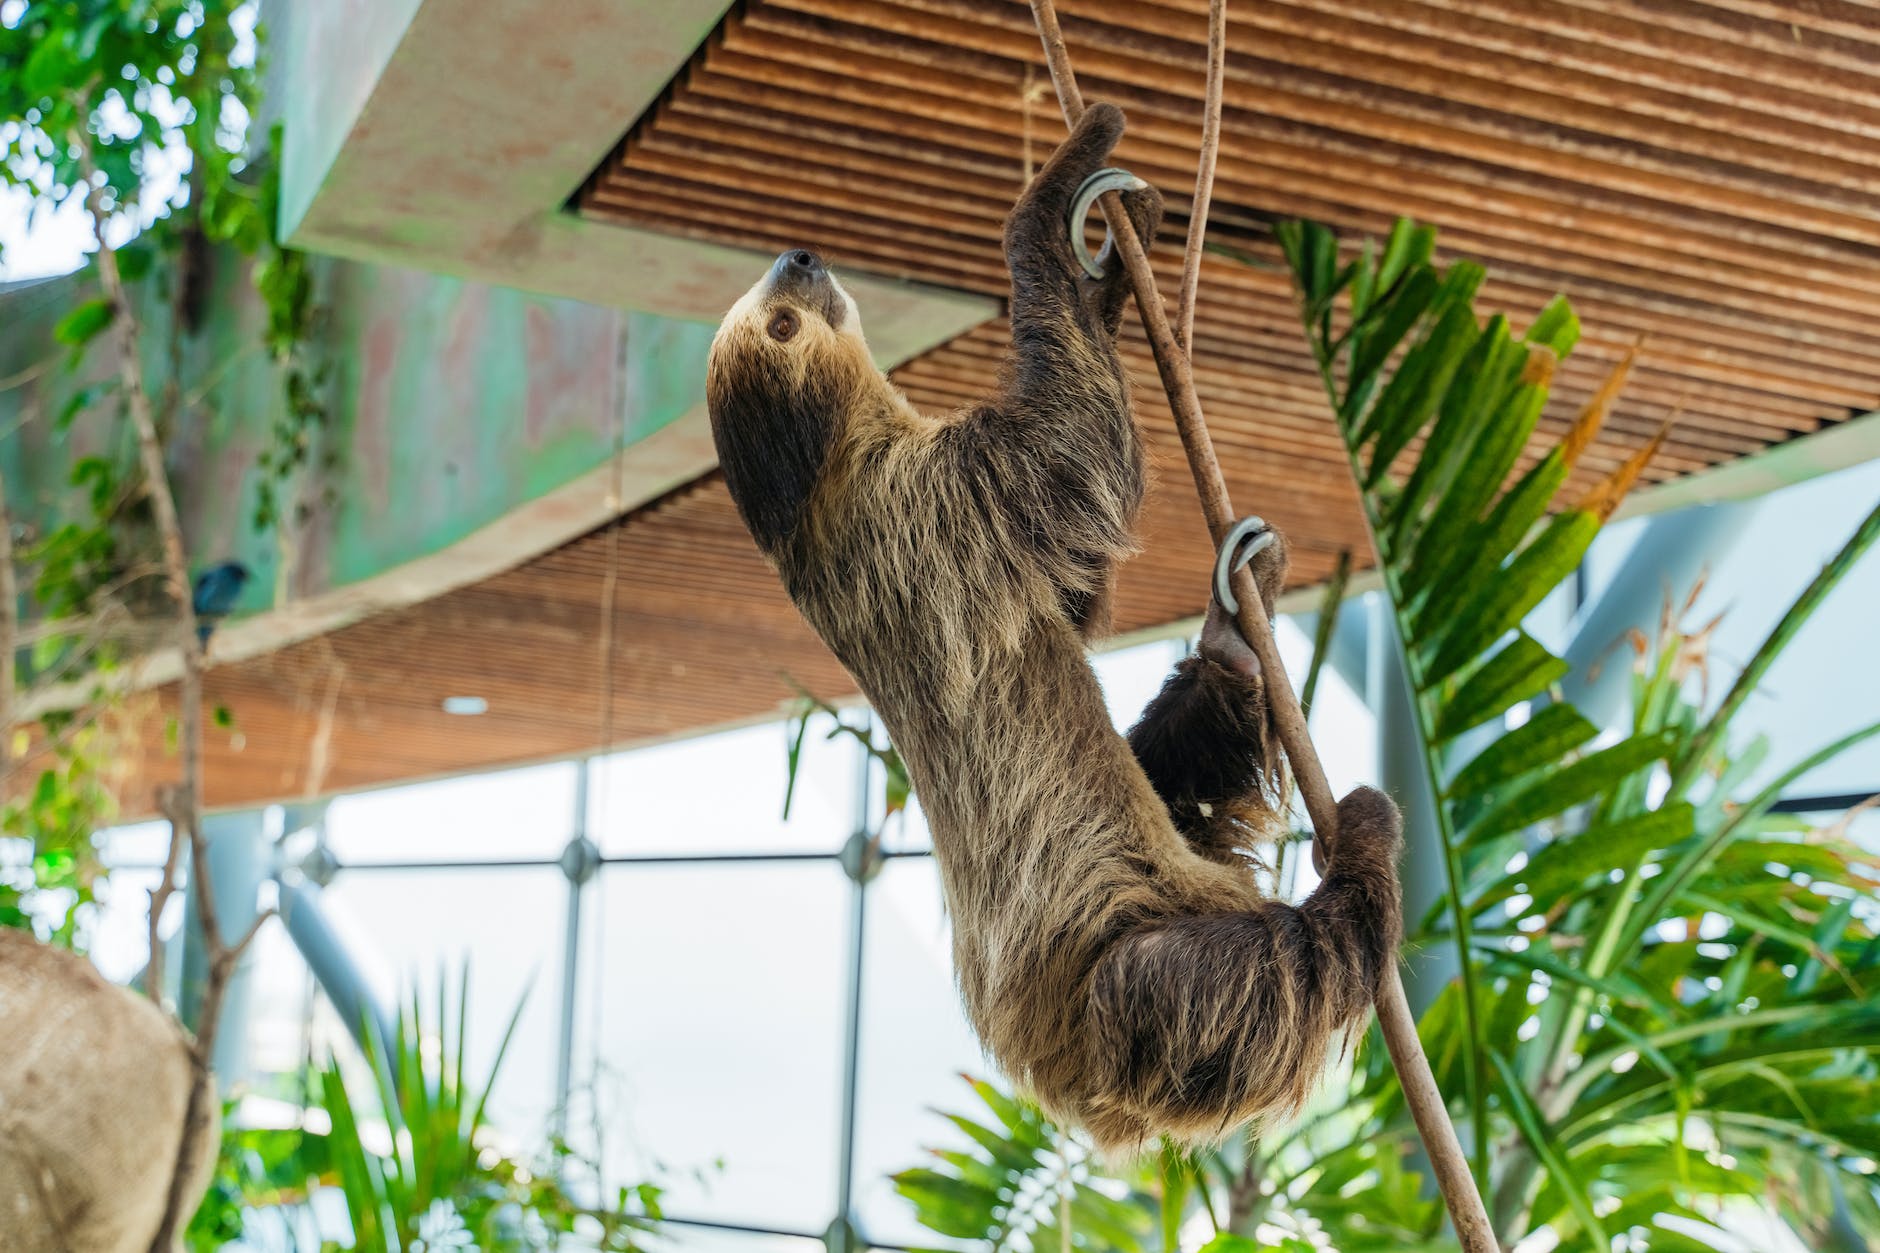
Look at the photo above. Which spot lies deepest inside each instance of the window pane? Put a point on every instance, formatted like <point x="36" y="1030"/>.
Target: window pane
<point x="915" y="1045"/>
<point x="118" y="931"/>
<point x="409" y="926"/>
<point x="723" y="793"/>
<point x="139" y="844"/>
<point x="907" y="832"/>
<point x="275" y="1037"/>
<point x="714" y="1011"/>
<point x="1132" y="676"/>
<point x="488" y="817"/>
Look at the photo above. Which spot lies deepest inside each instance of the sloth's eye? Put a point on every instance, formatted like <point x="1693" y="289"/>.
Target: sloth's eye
<point x="783" y="326"/>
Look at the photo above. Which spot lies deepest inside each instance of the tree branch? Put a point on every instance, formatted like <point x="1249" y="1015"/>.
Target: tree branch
<point x="185" y="801"/>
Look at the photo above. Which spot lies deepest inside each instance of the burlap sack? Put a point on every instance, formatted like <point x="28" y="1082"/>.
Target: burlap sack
<point x="93" y="1082"/>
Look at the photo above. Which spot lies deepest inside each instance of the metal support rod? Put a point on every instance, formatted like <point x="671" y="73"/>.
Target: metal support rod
<point x="238" y="860"/>
<point x="578" y="866"/>
<point x="1421" y="1094"/>
<point x="860" y="865"/>
<point x="353" y="998"/>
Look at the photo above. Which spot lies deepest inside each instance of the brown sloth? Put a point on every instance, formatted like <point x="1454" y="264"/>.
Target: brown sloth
<point x="1114" y="949"/>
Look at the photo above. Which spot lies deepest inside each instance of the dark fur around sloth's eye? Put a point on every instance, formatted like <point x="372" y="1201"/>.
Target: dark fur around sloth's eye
<point x="783" y="325"/>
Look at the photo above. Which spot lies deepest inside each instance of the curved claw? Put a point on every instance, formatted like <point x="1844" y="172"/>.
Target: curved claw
<point x="1247" y="539"/>
<point x="1110" y="178"/>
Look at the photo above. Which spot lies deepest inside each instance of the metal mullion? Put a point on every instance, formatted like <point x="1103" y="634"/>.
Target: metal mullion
<point x="571" y="952"/>
<point x="753" y="1229"/>
<point x="629" y="859"/>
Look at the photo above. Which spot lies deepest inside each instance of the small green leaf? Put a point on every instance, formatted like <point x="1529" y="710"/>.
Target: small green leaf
<point x="1520" y="671"/>
<point x="1416" y="389"/>
<point x="1542" y="740"/>
<point x="1507" y="525"/>
<point x="48" y="70"/>
<point x="1557" y="328"/>
<point x="1228" y="1242"/>
<point x="1395" y="315"/>
<point x="1498" y="606"/>
<point x="1592" y="775"/>
<point x="81" y="324"/>
<point x="1482" y="382"/>
<point x="1409" y="246"/>
<point x="1444" y="544"/>
<point x="1562" y="865"/>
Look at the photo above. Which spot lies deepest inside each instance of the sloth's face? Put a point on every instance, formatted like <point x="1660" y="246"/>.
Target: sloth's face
<point x="793" y="310"/>
<point x="787" y="368"/>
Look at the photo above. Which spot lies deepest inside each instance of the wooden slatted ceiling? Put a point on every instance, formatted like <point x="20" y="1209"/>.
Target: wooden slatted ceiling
<point x="1704" y="174"/>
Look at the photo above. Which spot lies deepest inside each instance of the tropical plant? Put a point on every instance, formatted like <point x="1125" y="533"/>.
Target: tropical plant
<point x="1668" y="998"/>
<point x="1025" y="1186"/>
<point x="435" y="1176"/>
<point x="410" y="1151"/>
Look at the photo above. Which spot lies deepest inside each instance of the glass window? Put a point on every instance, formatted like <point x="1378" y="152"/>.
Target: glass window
<point x="139" y="844"/>
<point x="915" y="1044"/>
<point x="908" y="832"/>
<point x="1132" y="676"/>
<point x="118" y="932"/>
<point x="724" y="793"/>
<point x="712" y="1032"/>
<point x="1815" y="693"/>
<point x="411" y="927"/>
<point x="280" y="1008"/>
<point x="1344" y="729"/>
<point x="512" y="815"/>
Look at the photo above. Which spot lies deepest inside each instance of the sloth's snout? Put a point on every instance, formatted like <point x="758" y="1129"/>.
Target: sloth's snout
<point x="798" y="272"/>
<point x="800" y="276"/>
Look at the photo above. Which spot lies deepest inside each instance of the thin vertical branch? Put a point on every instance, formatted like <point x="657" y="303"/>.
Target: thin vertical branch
<point x="1204" y="176"/>
<point x="185" y="801"/>
<point x="1424" y="1098"/>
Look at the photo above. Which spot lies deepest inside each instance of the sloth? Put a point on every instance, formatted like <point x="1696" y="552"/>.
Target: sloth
<point x="1115" y="951"/>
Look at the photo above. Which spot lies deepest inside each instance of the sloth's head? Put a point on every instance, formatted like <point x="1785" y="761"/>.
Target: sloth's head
<point x="789" y="369"/>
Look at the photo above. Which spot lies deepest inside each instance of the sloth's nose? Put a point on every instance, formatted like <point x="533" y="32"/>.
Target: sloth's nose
<point x="799" y="272"/>
<point x="802" y="261"/>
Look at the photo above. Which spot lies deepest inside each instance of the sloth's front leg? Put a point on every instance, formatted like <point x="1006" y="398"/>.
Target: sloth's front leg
<point x="1206" y="741"/>
<point x="1049" y="287"/>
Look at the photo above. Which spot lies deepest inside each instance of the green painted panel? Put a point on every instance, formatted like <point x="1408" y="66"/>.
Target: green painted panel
<point x="451" y="403"/>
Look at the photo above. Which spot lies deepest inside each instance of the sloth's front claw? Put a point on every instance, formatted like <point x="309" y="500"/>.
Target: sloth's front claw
<point x="1245" y="540"/>
<point x="1110" y="178"/>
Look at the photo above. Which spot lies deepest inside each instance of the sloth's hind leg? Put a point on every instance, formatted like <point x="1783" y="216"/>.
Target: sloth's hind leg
<point x="1202" y="1023"/>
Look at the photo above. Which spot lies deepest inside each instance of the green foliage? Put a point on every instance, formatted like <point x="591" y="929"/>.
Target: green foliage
<point x="415" y="1160"/>
<point x="125" y="78"/>
<point x="70" y="798"/>
<point x="256" y="1167"/>
<point x="896" y="787"/>
<point x="96" y="99"/>
<point x="1020" y="1177"/>
<point x="1585" y="883"/>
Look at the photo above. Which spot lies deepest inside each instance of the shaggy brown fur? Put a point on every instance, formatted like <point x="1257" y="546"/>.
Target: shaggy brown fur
<point x="1114" y="950"/>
